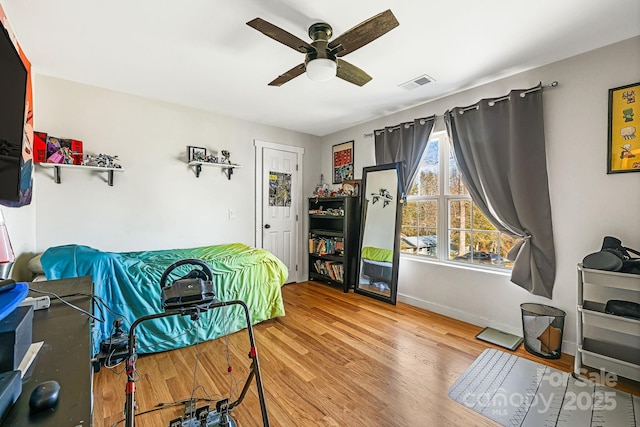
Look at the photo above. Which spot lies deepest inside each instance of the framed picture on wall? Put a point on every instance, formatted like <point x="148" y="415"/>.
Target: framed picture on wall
<point x="623" y="149"/>
<point x="342" y="162"/>
<point x="195" y="154"/>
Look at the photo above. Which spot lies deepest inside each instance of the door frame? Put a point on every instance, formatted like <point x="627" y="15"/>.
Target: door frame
<point x="299" y="151"/>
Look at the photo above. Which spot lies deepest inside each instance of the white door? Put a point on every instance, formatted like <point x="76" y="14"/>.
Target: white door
<point x="279" y="207"/>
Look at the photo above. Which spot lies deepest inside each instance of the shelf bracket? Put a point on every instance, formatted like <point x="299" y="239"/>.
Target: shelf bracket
<point x="229" y="172"/>
<point x="56" y="174"/>
<point x="226" y="169"/>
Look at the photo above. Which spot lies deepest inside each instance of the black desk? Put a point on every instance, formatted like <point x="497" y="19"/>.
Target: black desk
<point x="64" y="357"/>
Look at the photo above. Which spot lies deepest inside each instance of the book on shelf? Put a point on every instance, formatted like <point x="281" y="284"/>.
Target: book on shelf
<point x="331" y="269"/>
<point x="326" y="245"/>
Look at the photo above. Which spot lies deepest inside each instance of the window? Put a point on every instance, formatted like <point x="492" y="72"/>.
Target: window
<point x="441" y="221"/>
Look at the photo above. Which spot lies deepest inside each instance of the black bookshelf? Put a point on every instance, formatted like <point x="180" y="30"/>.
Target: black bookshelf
<point x="334" y="227"/>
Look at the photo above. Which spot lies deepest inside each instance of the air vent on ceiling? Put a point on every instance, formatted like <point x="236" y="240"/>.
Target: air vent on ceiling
<point x="417" y="82"/>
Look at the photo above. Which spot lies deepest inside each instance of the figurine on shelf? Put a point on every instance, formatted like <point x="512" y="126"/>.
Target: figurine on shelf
<point x="102" y="160"/>
<point x="322" y="189"/>
<point x="211" y="158"/>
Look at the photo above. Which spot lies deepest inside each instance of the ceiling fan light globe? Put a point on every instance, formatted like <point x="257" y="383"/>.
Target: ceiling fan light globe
<point x="321" y="69"/>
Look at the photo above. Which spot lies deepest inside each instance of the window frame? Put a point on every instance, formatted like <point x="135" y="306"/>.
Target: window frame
<point x="443" y="200"/>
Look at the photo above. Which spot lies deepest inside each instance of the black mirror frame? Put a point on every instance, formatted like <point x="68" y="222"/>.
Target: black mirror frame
<point x="396" y="243"/>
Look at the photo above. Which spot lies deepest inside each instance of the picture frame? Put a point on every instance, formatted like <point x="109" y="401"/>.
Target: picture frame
<point x="351" y="187"/>
<point x="196" y="154"/>
<point x="342" y="158"/>
<point x="623" y="143"/>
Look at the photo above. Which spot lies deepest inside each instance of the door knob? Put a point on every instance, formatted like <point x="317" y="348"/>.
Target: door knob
<point x="267" y="226"/>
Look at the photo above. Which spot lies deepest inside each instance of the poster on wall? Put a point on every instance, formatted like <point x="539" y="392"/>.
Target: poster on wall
<point x="342" y="162"/>
<point x="623" y="143"/>
<point x="279" y="189"/>
<point x="26" y="155"/>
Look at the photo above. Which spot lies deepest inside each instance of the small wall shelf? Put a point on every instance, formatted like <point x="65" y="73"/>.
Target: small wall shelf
<point x="56" y="170"/>
<point x="227" y="168"/>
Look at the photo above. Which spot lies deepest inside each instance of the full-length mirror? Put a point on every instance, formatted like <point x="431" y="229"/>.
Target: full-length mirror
<point x="379" y="239"/>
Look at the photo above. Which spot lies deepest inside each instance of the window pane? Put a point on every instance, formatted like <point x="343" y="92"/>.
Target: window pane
<point x="410" y="213"/>
<point x="470" y="252"/>
<point x="420" y="213"/>
<point x="429" y="171"/>
<point x="421" y="241"/>
<point x="480" y="222"/>
<point x="459" y="243"/>
<point x="485" y="241"/>
<point x="408" y="240"/>
<point x="506" y="243"/>
<point x="460" y="214"/>
<point x="414" y="187"/>
<point x="479" y="248"/>
<point x="429" y="213"/>
<point x="455" y="180"/>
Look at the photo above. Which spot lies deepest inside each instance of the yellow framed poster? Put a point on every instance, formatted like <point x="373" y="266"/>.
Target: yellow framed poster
<point x="623" y="143"/>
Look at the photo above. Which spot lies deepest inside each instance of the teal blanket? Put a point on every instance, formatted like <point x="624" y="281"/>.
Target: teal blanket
<point x="129" y="284"/>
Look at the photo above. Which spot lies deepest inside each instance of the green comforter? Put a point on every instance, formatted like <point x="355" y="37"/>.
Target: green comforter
<point x="377" y="254"/>
<point x="129" y="284"/>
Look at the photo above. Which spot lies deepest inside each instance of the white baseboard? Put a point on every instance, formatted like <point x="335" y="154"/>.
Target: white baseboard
<point x="567" y="346"/>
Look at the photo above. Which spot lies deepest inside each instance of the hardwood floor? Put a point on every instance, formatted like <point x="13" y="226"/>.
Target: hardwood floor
<point x="335" y="359"/>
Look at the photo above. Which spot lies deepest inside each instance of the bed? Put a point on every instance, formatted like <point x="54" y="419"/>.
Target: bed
<point x="377" y="264"/>
<point x="129" y="284"/>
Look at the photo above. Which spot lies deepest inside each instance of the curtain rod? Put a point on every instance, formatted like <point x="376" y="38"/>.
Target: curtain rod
<point x="491" y="103"/>
<point x="406" y="125"/>
<point x="505" y="98"/>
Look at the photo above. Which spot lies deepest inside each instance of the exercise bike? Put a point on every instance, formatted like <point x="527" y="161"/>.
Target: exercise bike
<point x="191" y="295"/>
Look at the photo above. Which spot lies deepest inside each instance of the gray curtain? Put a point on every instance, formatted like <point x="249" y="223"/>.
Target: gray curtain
<point x="403" y="143"/>
<point x="499" y="147"/>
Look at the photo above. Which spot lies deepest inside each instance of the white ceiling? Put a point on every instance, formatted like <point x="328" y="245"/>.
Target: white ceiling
<point x="200" y="53"/>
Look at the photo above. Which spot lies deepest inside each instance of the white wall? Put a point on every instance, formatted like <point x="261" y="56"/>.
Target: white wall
<point x="157" y="202"/>
<point x="20" y="224"/>
<point x="586" y="203"/>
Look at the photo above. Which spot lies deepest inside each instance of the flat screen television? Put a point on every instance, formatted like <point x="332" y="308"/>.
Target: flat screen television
<point x="13" y="88"/>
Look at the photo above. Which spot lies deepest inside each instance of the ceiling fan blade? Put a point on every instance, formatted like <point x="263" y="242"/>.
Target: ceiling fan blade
<point x="364" y="33"/>
<point x="351" y="73"/>
<point x="289" y="75"/>
<point x="280" y="35"/>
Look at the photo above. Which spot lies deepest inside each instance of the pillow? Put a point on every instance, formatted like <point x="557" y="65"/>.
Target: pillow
<point x="35" y="266"/>
<point x="550" y="339"/>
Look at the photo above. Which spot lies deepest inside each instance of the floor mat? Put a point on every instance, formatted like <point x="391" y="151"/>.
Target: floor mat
<point x="518" y="392"/>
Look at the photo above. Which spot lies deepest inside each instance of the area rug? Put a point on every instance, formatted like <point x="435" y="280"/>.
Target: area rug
<point x="518" y="392"/>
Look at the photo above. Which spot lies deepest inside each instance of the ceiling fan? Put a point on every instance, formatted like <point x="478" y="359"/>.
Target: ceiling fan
<point x="323" y="58"/>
